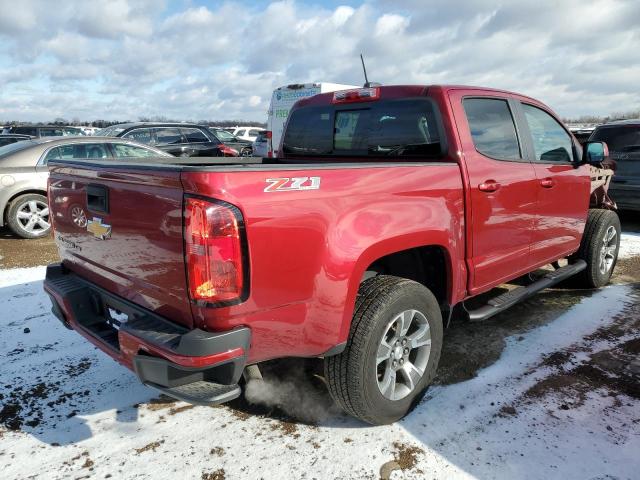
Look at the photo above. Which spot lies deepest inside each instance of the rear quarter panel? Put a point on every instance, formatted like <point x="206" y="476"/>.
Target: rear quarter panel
<point x="17" y="180"/>
<point x="309" y="249"/>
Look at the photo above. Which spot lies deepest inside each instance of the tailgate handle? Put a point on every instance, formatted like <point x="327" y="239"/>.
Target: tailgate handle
<point x="98" y="198"/>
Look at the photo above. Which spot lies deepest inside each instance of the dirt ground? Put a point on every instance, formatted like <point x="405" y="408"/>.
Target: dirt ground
<point x="18" y="252"/>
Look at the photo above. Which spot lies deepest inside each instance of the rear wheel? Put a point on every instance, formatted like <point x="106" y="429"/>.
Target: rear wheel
<point x="28" y="216"/>
<point x="392" y="352"/>
<point x="599" y="247"/>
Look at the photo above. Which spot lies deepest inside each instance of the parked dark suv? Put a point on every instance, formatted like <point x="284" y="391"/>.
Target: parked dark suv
<point x="45" y="131"/>
<point x="623" y="140"/>
<point x="180" y="139"/>
<point x="6" y="139"/>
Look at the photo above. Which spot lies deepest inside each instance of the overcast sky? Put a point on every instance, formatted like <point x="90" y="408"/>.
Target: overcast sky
<point x="123" y="59"/>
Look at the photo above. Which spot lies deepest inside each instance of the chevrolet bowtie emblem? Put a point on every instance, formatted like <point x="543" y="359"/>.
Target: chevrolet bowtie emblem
<point x="99" y="229"/>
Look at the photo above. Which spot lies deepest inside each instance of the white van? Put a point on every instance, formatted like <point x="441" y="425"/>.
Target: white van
<point x="282" y="100"/>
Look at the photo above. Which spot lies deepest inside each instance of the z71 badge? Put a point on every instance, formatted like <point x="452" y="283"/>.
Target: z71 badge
<point x="292" y="184"/>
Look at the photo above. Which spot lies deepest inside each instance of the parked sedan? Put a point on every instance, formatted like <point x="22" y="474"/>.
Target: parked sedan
<point x="178" y="139"/>
<point x="24" y="173"/>
<point x="623" y="139"/>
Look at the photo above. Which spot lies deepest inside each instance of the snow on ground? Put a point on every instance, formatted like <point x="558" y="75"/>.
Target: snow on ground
<point x="629" y="245"/>
<point x="539" y="411"/>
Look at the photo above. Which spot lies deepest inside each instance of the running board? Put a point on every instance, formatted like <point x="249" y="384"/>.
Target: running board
<point x="510" y="298"/>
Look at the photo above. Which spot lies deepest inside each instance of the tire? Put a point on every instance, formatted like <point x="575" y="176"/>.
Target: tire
<point x="601" y="224"/>
<point x="356" y="377"/>
<point x="18" y="218"/>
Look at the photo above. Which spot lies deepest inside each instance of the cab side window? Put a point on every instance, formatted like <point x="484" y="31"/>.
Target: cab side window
<point x="551" y="142"/>
<point x="492" y="128"/>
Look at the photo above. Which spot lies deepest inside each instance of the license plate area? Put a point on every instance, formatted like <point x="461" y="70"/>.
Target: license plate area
<point x="105" y="317"/>
<point x="114" y="317"/>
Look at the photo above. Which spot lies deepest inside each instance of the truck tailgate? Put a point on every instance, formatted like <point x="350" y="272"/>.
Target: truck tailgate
<point x="122" y="229"/>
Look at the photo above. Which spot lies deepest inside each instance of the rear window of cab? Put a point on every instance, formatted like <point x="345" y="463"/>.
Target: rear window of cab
<point x="407" y="127"/>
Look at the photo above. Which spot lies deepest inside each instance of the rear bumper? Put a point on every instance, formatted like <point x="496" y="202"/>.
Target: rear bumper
<point x="164" y="355"/>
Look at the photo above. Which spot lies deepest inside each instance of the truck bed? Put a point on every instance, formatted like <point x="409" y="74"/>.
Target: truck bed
<point x="306" y="248"/>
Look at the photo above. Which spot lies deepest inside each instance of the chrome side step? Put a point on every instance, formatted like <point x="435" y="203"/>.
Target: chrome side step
<point x="508" y="299"/>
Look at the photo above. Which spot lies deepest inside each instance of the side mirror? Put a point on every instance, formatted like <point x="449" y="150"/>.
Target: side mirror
<point x="594" y="153"/>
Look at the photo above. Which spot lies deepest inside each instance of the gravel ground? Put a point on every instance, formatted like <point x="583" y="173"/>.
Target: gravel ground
<point x="548" y="389"/>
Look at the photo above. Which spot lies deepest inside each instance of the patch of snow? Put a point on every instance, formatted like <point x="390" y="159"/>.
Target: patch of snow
<point x="629" y="245"/>
<point x="101" y="421"/>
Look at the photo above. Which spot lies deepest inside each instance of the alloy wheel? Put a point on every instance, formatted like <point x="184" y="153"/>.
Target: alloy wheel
<point x="403" y="354"/>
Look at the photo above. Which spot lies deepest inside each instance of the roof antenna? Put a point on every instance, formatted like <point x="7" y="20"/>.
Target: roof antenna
<point x="367" y="83"/>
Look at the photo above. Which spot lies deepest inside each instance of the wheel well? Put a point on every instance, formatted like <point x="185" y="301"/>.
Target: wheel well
<point x="426" y="265"/>
<point x="16" y="195"/>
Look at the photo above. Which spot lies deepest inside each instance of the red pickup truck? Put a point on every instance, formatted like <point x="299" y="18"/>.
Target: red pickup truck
<point x="388" y="208"/>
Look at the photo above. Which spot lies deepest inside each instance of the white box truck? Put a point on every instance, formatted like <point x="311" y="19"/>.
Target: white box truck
<point x="282" y="100"/>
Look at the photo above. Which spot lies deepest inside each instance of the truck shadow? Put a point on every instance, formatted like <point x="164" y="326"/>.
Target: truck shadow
<point x="294" y="389"/>
<point x="51" y="377"/>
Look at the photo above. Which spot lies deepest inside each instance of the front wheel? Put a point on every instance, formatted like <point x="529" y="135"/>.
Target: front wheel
<point x="599" y="247"/>
<point x="392" y="352"/>
<point x="28" y="216"/>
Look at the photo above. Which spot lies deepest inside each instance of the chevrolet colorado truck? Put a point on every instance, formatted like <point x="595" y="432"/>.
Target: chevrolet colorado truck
<point x="388" y="208"/>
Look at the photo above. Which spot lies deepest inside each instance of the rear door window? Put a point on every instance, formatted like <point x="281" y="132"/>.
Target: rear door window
<point x="25" y="131"/>
<point x="142" y="135"/>
<point x="168" y="136"/>
<point x="624" y="144"/>
<point x="123" y="150"/>
<point x="53" y="154"/>
<point x="405" y="127"/>
<point x="551" y="142"/>
<point x="492" y="128"/>
<point x="194" y="135"/>
<point x="82" y="150"/>
<point x="51" y="132"/>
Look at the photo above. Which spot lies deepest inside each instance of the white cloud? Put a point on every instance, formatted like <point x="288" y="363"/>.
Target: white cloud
<point x="125" y="59"/>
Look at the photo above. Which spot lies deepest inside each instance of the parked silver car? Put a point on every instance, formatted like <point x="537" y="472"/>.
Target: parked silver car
<point x="24" y="172"/>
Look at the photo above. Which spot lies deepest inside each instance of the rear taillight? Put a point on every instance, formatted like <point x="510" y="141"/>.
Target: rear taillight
<point x="227" y="151"/>
<point x="213" y="251"/>
<point x="267" y="134"/>
<point x="356" y="95"/>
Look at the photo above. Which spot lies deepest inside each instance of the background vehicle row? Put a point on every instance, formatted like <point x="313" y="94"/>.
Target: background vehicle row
<point x="24" y="173"/>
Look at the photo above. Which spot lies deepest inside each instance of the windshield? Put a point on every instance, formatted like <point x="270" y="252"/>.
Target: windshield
<point x="621" y="139"/>
<point x="224" y="136"/>
<point x="16" y="147"/>
<point x="112" y="131"/>
<point x="405" y="127"/>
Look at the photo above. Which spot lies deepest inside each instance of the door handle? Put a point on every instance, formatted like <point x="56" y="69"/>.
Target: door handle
<point x="547" y="182"/>
<point x="489" y="186"/>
